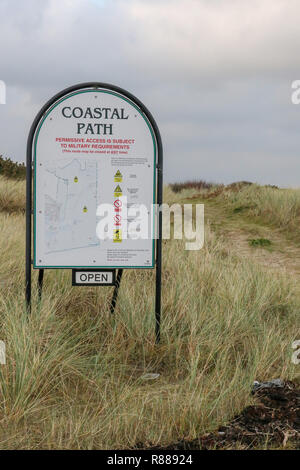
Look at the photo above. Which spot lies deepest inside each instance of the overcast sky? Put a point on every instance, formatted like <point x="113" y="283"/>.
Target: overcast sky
<point x="216" y="75"/>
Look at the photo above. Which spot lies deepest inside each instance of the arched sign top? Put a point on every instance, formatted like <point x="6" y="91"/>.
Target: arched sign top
<point x="93" y="144"/>
<point x="95" y="86"/>
<point x="114" y="114"/>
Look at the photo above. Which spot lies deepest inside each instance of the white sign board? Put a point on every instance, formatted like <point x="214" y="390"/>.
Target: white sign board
<point x="92" y="147"/>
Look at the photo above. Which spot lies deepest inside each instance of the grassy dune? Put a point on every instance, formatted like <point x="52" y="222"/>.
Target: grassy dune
<point x="73" y="373"/>
<point x="280" y="207"/>
<point x="277" y="206"/>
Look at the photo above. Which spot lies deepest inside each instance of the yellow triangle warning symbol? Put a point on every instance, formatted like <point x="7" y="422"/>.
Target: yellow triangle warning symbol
<point x="118" y="189"/>
<point x="118" y="177"/>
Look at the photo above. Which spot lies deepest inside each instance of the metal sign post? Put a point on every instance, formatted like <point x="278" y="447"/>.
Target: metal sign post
<point x="92" y="143"/>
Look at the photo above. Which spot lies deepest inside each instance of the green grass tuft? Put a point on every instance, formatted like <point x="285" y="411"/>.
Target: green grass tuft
<point x="263" y="242"/>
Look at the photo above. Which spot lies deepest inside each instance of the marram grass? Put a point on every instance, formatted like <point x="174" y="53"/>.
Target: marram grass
<point x="72" y="379"/>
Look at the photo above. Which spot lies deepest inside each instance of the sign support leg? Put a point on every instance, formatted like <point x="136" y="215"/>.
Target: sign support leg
<point x="28" y="285"/>
<point x="159" y="246"/>
<point x="158" y="294"/>
<point x="40" y="283"/>
<point x="116" y="290"/>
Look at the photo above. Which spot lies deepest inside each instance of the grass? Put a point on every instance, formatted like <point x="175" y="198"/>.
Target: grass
<point x="260" y="242"/>
<point x="73" y="378"/>
<point x="276" y="206"/>
<point x="12" y="195"/>
<point x="280" y="207"/>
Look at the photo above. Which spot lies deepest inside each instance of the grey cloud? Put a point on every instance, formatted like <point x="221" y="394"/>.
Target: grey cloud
<point x="215" y="74"/>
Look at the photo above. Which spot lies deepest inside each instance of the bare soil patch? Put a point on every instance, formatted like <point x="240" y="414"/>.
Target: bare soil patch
<point x="274" y="420"/>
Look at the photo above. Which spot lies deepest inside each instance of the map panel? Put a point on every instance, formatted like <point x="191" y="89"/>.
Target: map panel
<point x="70" y="205"/>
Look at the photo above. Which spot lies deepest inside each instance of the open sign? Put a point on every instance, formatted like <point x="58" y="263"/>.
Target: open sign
<point x="93" y="277"/>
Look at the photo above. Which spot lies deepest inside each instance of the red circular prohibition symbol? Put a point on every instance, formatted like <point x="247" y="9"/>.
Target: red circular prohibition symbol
<point x="118" y="203"/>
<point x="117" y="218"/>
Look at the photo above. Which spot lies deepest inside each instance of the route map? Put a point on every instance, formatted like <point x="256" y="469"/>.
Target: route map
<point x="70" y="205"/>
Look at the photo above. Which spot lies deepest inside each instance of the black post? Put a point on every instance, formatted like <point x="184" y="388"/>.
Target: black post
<point x="158" y="281"/>
<point x="28" y="220"/>
<point x="116" y="290"/>
<point x="159" y="239"/>
<point x="40" y="283"/>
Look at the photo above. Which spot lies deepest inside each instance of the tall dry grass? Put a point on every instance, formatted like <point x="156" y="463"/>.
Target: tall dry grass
<point x="280" y="207"/>
<point x="73" y="377"/>
<point x="12" y="195"/>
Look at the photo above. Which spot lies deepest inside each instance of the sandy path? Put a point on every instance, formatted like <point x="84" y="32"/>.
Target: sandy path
<point x="283" y="254"/>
